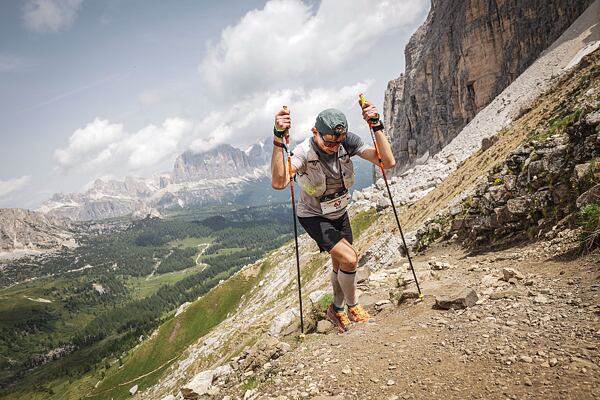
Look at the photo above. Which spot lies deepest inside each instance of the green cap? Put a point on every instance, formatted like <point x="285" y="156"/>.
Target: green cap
<point x="331" y="122"/>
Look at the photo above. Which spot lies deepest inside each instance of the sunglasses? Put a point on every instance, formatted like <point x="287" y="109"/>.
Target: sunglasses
<point x="332" y="143"/>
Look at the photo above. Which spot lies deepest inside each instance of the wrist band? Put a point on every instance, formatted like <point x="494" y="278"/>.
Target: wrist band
<point x="378" y="127"/>
<point x="278" y="133"/>
<point x="278" y="144"/>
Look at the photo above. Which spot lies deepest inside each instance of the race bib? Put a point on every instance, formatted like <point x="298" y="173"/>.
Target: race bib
<point x="339" y="203"/>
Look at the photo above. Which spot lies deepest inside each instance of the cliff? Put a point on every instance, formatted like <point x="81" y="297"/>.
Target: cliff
<point x="31" y="231"/>
<point x="459" y="60"/>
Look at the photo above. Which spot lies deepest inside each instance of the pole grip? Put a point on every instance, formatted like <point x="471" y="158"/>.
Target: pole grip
<point x="372" y="121"/>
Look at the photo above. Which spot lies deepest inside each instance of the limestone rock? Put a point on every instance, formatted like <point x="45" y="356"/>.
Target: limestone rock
<point x="283" y="320"/>
<point x="459" y="299"/>
<point x="198" y="386"/>
<point x="424" y="114"/>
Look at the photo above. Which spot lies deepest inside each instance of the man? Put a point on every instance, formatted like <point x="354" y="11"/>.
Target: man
<point x="324" y="172"/>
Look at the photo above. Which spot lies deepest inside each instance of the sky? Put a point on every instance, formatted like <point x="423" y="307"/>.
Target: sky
<point x="115" y="88"/>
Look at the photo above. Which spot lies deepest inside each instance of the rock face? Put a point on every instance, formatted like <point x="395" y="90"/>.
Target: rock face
<point x="224" y="161"/>
<point x="29" y="230"/>
<point x="106" y="199"/>
<point x="459" y="60"/>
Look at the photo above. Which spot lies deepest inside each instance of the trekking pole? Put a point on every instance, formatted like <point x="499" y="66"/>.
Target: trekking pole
<point x="362" y="102"/>
<point x="289" y="158"/>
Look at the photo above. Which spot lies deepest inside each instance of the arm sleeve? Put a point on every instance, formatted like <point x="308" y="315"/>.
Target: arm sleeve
<point x="354" y="144"/>
<point x="299" y="158"/>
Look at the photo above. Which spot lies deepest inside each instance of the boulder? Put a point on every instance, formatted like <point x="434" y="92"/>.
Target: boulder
<point x="198" y="386"/>
<point x="518" y="206"/>
<point x="588" y="197"/>
<point x="593" y="118"/>
<point x="283" y="320"/>
<point x="133" y="390"/>
<point x="383" y="203"/>
<point x="362" y="274"/>
<point x="510" y="273"/>
<point x="324" y="326"/>
<point x="457" y="300"/>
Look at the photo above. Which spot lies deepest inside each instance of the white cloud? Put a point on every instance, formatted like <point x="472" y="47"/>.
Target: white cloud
<point x="102" y="147"/>
<point x="287" y="53"/>
<point x="153" y="145"/>
<point x="13" y="185"/>
<point x="91" y="144"/>
<point x="252" y="119"/>
<point x="289" y="44"/>
<point x="49" y="16"/>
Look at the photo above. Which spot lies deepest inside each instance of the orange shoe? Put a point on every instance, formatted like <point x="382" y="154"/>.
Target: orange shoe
<point x="338" y="318"/>
<point x="358" y="314"/>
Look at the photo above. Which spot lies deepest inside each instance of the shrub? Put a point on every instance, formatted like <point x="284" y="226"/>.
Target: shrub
<point x="589" y="219"/>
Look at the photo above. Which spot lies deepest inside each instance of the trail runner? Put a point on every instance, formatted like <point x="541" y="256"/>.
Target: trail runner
<point x="323" y="168"/>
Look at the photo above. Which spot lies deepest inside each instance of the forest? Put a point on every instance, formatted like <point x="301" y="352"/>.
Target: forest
<point x="65" y="313"/>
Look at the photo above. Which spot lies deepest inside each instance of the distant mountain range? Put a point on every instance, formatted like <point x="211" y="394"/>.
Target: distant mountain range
<point x="222" y="175"/>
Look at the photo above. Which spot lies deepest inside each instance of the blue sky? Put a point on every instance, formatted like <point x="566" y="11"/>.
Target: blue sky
<point x="112" y="88"/>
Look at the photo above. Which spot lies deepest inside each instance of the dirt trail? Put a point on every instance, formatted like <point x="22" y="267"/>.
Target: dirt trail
<point x="538" y="337"/>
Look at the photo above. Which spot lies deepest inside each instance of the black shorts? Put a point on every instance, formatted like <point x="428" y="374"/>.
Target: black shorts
<point x="326" y="232"/>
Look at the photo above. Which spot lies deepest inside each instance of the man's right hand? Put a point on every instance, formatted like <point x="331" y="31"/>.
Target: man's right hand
<point x="282" y="120"/>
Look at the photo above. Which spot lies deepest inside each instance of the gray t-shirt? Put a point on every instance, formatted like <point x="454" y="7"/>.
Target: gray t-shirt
<point x="310" y="206"/>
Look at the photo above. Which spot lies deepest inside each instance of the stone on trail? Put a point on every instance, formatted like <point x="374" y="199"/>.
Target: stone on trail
<point x="505" y="294"/>
<point x="510" y="273"/>
<point x="462" y="298"/>
<point x="133" y="390"/>
<point x="408" y="294"/>
<point x="324" y="326"/>
<point x="438" y="265"/>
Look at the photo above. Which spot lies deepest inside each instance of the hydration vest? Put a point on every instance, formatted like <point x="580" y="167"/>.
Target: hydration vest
<point x="312" y="179"/>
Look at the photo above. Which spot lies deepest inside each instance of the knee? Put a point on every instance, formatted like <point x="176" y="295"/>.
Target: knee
<point x="349" y="262"/>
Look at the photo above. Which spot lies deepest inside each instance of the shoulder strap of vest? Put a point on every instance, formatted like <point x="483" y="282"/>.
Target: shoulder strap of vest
<point x="311" y="154"/>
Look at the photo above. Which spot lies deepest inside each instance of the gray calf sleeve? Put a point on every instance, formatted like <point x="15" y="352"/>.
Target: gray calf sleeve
<point x="338" y="294"/>
<point x="347" y="281"/>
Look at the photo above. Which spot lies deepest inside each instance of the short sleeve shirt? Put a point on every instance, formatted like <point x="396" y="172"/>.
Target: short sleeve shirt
<point x="310" y="206"/>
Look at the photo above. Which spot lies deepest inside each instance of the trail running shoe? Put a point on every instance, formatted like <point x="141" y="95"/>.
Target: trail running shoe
<point x="339" y="318"/>
<point x="358" y="314"/>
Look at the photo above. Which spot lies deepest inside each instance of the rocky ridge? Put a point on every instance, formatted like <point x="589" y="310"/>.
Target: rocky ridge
<point x="462" y="57"/>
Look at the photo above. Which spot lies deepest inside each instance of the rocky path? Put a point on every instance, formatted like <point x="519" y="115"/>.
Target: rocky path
<point x="533" y="333"/>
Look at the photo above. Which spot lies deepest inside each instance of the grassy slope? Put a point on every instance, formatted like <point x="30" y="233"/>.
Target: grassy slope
<point x="173" y="338"/>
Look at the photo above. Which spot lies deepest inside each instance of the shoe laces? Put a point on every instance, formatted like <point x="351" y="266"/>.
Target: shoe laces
<point x="343" y="317"/>
<point x="358" y="312"/>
